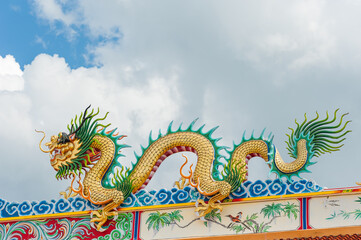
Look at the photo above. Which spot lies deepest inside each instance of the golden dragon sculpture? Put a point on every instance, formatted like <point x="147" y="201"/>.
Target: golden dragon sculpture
<point x="90" y="151"/>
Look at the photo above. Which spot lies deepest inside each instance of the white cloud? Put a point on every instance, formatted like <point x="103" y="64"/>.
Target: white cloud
<point x="52" y="10"/>
<point x="15" y="119"/>
<point x="280" y="43"/>
<point x="136" y="106"/>
<point x="10" y="74"/>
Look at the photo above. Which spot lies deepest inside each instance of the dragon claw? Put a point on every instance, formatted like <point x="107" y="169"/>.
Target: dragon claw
<point x="96" y="213"/>
<point x="99" y="219"/>
<point x="206" y="208"/>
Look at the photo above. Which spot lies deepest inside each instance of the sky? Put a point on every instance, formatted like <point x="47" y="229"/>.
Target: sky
<point x="240" y="65"/>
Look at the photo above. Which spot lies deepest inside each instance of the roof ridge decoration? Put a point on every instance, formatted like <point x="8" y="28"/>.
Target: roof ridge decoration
<point x="89" y="152"/>
<point x="144" y="198"/>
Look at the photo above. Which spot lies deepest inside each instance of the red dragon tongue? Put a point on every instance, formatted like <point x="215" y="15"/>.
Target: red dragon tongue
<point x="53" y="154"/>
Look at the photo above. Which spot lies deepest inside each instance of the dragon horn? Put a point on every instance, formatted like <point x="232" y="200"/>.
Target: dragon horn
<point x="42" y="141"/>
<point x="83" y="120"/>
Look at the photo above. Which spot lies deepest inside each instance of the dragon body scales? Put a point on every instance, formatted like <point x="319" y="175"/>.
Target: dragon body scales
<point x="90" y="150"/>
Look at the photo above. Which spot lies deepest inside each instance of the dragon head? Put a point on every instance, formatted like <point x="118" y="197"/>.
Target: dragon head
<point x="63" y="149"/>
<point x="71" y="152"/>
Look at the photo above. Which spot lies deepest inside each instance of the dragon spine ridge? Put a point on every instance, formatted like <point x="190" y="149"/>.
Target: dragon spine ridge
<point x="93" y="149"/>
<point x="190" y="128"/>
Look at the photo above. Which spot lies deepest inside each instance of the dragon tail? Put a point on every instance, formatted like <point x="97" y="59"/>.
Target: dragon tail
<point x="310" y="139"/>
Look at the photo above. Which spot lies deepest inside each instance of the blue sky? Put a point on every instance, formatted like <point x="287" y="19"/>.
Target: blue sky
<point x="242" y="65"/>
<point x="25" y="35"/>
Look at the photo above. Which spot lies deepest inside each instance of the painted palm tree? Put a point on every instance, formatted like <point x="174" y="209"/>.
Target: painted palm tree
<point x="158" y="220"/>
<point x="273" y="210"/>
<point x="290" y="209"/>
<point x="175" y="216"/>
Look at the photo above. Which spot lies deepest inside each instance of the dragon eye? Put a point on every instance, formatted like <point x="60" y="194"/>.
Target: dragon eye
<point x="63" y="138"/>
